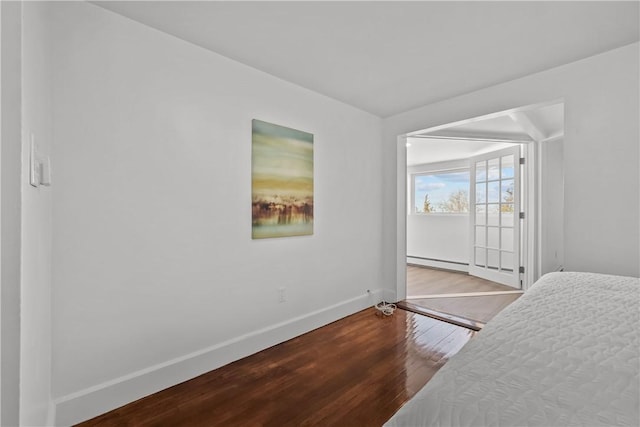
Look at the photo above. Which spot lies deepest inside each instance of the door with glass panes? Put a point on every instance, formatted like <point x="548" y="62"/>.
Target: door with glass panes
<point x="494" y="215"/>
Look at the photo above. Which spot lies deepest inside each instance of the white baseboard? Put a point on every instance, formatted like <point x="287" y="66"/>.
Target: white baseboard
<point x="438" y="264"/>
<point x="93" y="401"/>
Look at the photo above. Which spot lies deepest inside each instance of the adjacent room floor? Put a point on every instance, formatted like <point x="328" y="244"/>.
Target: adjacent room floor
<point x="357" y="371"/>
<point x="432" y="281"/>
<point x="441" y="294"/>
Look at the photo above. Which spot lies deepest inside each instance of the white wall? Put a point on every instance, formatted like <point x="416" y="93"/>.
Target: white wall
<point x="155" y="276"/>
<point x="35" y="345"/>
<point x="552" y="209"/>
<point x="10" y="214"/>
<point x="600" y="156"/>
<point x="438" y="236"/>
<point x="442" y="237"/>
<point x="26" y="218"/>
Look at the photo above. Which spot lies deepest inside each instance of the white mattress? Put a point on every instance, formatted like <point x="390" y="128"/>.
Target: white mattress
<point x="566" y="353"/>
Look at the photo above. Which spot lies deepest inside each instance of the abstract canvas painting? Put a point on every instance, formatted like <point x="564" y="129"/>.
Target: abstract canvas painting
<point x="282" y="181"/>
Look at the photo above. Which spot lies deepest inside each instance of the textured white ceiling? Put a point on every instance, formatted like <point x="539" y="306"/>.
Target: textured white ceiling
<point x="387" y="57"/>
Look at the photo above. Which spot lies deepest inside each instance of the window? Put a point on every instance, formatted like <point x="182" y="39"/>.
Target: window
<point x="441" y="192"/>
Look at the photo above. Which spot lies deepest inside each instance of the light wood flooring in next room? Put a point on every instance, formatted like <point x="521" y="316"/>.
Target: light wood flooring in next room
<point x="357" y="371"/>
<point x="431" y="281"/>
<point x="426" y="285"/>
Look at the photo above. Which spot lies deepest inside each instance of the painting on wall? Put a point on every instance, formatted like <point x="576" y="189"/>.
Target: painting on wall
<point x="282" y="181"/>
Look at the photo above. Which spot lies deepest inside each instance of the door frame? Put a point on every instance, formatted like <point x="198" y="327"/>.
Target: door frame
<point x="532" y="182"/>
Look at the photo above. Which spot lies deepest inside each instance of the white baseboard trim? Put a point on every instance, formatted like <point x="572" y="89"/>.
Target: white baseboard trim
<point x="438" y="264"/>
<point x="93" y="401"/>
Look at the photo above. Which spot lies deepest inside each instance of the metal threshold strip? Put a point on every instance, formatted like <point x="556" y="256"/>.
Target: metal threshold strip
<point x="474" y="325"/>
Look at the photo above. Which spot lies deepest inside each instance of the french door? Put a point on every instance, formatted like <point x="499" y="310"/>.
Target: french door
<point x="494" y="216"/>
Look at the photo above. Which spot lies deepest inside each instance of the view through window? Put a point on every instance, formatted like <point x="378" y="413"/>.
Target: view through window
<point x="441" y="192"/>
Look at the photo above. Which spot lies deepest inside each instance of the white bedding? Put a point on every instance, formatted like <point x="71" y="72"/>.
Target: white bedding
<point x="566" y="353"/>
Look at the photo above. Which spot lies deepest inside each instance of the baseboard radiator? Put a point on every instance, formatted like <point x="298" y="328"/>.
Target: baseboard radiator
<point x="438" y="263"/>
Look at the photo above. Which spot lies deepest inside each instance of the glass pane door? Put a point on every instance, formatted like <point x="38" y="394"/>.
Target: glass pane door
<point x="495" y="219"/>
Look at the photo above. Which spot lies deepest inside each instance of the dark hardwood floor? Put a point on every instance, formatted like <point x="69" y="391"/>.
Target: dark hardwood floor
<point x="357" y="371"/>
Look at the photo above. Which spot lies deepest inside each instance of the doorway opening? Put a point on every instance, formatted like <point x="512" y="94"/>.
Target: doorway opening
<point x="474" y="193"/>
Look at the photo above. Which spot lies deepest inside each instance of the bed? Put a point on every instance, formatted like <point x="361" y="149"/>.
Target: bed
<point x="566" y="353"/>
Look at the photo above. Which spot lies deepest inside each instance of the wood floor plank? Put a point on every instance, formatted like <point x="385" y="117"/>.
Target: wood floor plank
<point x="480" y="308"/>
<point x="425" y="281"/>
<point x="357" y="371"/>
<point x="469" y="311"/>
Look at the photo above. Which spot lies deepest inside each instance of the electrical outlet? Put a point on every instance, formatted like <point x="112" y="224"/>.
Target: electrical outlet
<point x="282" y="294"/>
